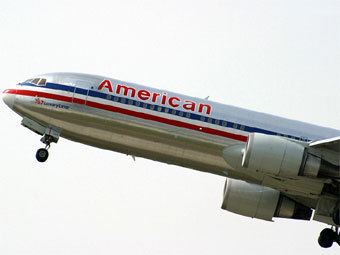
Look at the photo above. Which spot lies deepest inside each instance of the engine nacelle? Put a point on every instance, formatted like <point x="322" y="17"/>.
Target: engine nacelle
<point x="273" y="155"/>
<point x="261" y="202"/>
<point x="280" y="156"/>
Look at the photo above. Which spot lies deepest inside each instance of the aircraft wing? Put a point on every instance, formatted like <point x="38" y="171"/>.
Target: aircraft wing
<point x="332" y="144"/>
<point x="314" y="183"/>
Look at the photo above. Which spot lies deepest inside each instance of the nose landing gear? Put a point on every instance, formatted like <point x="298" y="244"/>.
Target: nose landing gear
<point x="49" y="137"/>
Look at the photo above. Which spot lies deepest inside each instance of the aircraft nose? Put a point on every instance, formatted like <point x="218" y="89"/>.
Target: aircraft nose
<point x="8" y="97"/>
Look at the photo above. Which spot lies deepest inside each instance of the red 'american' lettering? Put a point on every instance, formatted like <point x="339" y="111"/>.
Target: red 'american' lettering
<point x="154" y="97"/>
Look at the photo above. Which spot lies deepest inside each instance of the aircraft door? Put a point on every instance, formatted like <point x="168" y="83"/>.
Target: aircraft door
<point x="81" y="92"/>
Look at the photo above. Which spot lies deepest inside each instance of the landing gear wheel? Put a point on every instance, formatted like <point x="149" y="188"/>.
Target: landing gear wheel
<point x="42" y="155"/>
<point x="336" y="217"/>
<point x="327" y="237"/>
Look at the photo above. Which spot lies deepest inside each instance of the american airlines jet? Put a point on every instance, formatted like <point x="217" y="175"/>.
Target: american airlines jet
<point x="274" y="167"/>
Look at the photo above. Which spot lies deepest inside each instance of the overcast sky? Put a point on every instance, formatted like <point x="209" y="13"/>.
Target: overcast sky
<point x="279" y="57"/>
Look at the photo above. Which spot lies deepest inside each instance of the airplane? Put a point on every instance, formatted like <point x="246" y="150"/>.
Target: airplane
<point x="274" y="167"/>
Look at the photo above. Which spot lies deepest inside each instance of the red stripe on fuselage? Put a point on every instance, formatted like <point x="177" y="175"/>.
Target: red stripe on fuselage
<point x="140" y="115"/>
<point x="40" y="94"/>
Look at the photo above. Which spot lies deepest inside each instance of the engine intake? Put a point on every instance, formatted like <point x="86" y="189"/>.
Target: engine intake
<point x="261" y="202"/>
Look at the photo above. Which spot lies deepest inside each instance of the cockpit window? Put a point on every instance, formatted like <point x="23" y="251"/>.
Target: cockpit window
<point x="28" y="81"/>
<point x="42" y="82"/>
<point x="35" y="80"/>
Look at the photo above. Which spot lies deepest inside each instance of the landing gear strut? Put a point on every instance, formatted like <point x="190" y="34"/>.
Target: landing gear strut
<point x="49" y="137"/>
<point x="336" y="216"/>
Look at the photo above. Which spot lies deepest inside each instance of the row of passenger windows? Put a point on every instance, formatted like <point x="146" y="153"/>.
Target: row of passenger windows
<point x="186" y="114"/>
<point x="173" y="111"/>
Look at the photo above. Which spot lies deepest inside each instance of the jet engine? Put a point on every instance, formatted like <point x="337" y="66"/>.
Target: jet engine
<point x="261" y="202"/>
<point x="280" y="156"/>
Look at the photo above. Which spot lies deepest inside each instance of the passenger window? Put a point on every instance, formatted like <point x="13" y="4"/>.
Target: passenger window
<point x="42" y="82"/>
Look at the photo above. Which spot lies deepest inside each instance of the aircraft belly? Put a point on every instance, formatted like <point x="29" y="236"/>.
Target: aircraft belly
<point x="148" y="140"/>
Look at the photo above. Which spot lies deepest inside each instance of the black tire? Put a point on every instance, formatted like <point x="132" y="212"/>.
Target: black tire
<point x="336" y="217"/>
<point x="326" y="238"/>
<point x="42" y="155"/>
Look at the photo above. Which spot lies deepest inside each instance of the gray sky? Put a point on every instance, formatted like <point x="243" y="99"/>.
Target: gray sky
<point x="279" y="57"/>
